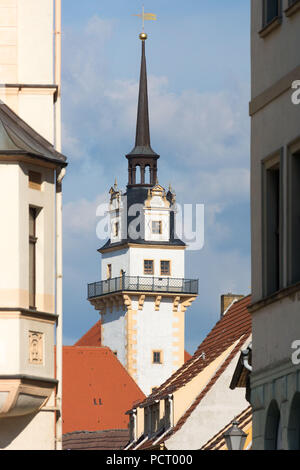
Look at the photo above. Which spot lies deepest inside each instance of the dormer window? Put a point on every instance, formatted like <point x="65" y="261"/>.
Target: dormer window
<point x="154" y="418"/>
<point x="157" y="227"/>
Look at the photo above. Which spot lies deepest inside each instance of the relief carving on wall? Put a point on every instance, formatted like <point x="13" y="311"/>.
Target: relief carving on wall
<point x="36" y="347"/>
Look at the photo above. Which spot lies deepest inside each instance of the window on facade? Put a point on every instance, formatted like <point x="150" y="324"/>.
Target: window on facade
<point x="148" y="266"/>
<point x="157" y="357"/>
<point x="32" y="256"/>
<point x="165" y="268"/>
<point x="108" y="271"/>
<point x="271" y="10"/>
<point x="157" y="227"/>
<point x="272" y="231"/>
<point x="294" y="222"/>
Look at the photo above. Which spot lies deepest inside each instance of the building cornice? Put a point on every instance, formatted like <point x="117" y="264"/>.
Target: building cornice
<point x="273" y="92"/>
<point x="123" y="246"/>
<point x="33" y="314"/>
<point x="282" y="293"/>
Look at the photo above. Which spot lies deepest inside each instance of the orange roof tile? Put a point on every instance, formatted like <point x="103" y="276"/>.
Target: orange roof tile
<point x="91" y="337"/>
<point x="187" y="356"/>
<point x="97" y="390"/>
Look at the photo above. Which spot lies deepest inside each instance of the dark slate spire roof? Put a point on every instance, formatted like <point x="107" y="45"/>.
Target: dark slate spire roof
<point x="18" y="138"/>
<point x="142" y="139"/>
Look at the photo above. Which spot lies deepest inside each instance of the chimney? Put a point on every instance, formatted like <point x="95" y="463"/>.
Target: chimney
<point x="226" y="301"/>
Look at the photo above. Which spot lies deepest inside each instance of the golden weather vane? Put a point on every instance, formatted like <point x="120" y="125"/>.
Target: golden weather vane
<point x="146" y="16"/>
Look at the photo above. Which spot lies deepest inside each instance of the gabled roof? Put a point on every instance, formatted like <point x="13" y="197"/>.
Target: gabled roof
<point x="18" y="138"/>
<point x="92" y="337"/>
<point x="244" y="421"/>
<point x="97" y="390"/>
<point x="234" y="326"/>
<point x="114" y="439"/>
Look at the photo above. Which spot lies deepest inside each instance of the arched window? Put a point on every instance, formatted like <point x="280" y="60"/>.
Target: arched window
<point x="138" y="174"/>
<point x="273" y="428"/>
<point x="147" y="175"/>
<point x="294" y="424"/>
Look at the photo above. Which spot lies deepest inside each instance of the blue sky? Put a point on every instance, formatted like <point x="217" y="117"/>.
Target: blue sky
<point x="198" y="57"/>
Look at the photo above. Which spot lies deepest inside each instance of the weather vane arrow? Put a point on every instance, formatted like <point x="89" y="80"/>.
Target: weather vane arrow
<point x="146" y="16"/>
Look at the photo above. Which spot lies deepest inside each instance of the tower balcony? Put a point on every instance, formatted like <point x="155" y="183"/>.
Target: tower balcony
<point x="143" y="284"/>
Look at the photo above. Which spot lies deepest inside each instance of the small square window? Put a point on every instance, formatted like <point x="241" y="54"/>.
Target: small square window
<point x="157" y="359"/>
<point x="157" y="227"/>
<point x="165" y="269"/>
<point x="148" y="266"/>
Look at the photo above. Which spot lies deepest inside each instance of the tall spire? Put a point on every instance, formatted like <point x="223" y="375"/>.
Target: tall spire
<point x="142" y="137"/>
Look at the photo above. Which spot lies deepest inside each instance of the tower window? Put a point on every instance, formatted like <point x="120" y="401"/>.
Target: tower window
<point x="148" y="266"/>
<point x="165" y="268"/>
<point x="157" y="227"/>
<point x="157" y="357"/>
<point x="32" y="256"/>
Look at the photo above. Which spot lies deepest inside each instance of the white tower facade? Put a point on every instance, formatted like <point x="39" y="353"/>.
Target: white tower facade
<point x="31" y="172"/>
<point x="143" y="294"/>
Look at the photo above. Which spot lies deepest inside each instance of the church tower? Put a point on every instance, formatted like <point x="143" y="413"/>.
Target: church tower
<point x="143" y="294"/>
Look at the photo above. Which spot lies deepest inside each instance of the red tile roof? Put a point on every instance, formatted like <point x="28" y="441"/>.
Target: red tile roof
<point x="91" y="337"/>
<point x="97" y="440"/>
<point x="187" y="356"/>
<point x="97" y="390"/>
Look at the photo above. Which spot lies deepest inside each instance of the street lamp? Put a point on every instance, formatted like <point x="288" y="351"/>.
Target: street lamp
<point x="235" y="437"/>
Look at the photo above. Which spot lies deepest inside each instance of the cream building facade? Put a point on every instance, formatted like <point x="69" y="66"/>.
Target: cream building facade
<point x="275" y="191"/>
<point x="31" y="173"/>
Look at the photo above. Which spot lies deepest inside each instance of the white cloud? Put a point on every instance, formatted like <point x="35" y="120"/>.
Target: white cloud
<point x="80" y="216"/>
